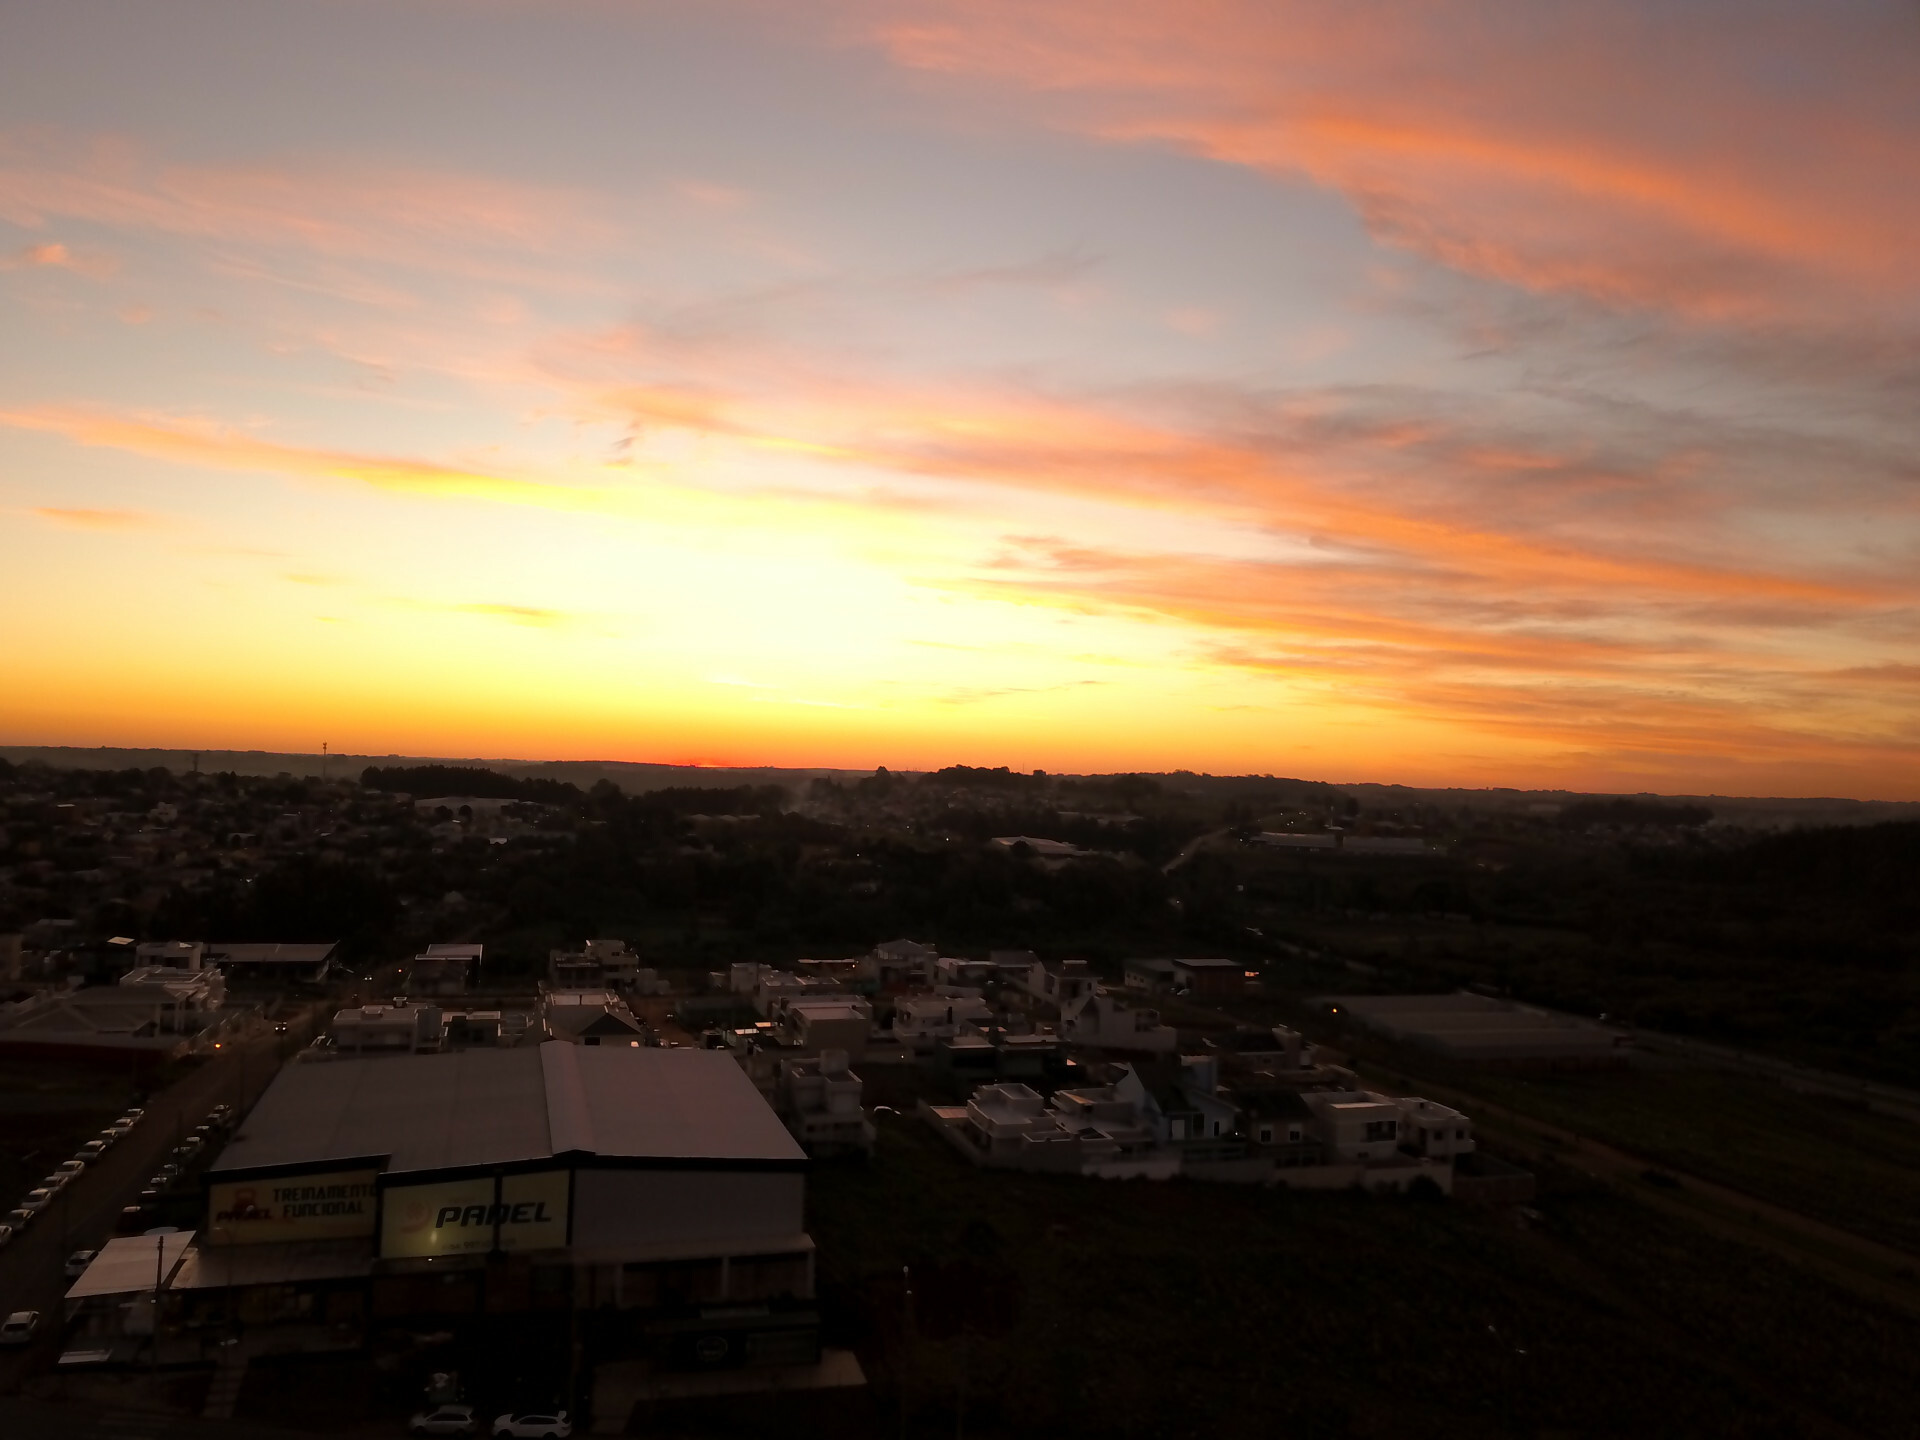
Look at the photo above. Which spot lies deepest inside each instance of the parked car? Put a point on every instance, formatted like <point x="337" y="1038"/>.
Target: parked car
<point x="70" y="1168"/>
<point x="191" y="1146"/>
<point x="20" y="1217"/>
<point x="444" y="1420"/>
<point x="279" y="1027"/>
<point x="20" y="1327"/>
<point x="134" y="1113"/>
<point x="551" y="1426"/>
<point x="120" y="1129"/>
<point x="106" y="1137"/>
<point x="36" y="1200"/>
<point x="6" y="1235"/>
<point x="56" y="1182"/>
<point x="133" y="1219"/>
<point x="78" y="1261"/>
<point x="92" y="1150"/>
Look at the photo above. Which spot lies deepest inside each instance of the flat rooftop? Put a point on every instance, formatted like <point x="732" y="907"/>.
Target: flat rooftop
<point x="497" y="1107"/>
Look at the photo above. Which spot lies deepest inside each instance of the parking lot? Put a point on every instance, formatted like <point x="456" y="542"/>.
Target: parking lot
<point x="86" y="1211"/>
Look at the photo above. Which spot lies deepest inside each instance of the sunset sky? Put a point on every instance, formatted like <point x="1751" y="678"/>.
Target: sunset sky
<point x="1447" y="393"/>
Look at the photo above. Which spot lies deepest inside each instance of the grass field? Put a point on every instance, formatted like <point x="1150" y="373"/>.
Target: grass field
<point x="1823" y="1157"/>
<point x="1179" y="1309"/>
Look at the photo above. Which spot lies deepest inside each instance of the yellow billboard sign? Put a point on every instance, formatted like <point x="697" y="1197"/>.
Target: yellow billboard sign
<point x="335" y="1206"/>
<point x="466" y="1217"/>
<point x="533" y="1210"/>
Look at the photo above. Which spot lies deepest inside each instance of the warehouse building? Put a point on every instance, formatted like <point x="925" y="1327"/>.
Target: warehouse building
<point x="652" y="1188"/>
<point x="1482" y="1030"/>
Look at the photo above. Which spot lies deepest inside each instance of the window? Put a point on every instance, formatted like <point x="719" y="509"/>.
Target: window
<point x="1266" y="1134"/>
<point x="1381" y="1129"/>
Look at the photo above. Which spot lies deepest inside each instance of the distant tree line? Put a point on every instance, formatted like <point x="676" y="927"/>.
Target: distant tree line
<point x="1632" y="813"/>
<point x="427" y="781"/>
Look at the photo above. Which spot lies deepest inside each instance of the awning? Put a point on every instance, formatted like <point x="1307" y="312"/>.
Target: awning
<point x="218" y="1267"/>
<point x="130" y="1264"/>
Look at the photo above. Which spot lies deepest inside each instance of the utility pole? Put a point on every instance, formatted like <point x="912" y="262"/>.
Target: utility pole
<point x="906" y="1346"/>
<point x="159" y="1275"/>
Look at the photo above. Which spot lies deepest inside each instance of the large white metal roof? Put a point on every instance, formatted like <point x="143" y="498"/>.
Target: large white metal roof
<point x="495" y="1107"/>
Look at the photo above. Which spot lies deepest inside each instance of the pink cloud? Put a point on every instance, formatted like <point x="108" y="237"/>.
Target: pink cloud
<point x="55" y="255"/>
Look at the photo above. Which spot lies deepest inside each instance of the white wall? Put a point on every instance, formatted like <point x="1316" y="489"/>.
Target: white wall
<point x="617" y="1209"/>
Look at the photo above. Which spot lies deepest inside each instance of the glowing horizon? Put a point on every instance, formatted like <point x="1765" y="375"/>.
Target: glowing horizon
<point x="1233" y="387"/>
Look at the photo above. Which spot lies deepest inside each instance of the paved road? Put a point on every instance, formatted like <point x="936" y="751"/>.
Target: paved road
<point x="24" y="1418"/>
<point x="85" y="1213"/>
<point x="1192" y="848"/>
<point x="1880" y="1098"/>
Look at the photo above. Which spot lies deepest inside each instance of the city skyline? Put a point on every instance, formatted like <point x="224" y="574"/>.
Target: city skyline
<point x="1471" y="398"/>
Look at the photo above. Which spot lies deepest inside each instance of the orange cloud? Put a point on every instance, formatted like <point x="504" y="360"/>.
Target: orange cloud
<point x="1638" y="157"/>
<point x="192" y="442"/>
<point x="81" y="519"/>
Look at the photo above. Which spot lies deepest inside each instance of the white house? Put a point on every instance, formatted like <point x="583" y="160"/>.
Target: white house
<point x="1099" y="1021"/>
<point x="922" y="1020"/>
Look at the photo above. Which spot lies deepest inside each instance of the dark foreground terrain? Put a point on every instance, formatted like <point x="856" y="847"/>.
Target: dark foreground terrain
<point x="1069" y="1307"/>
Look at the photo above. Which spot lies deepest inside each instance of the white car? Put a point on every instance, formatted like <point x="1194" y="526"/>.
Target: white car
<point x="36" y="1200"/>
<point x="92" y="1150"/>
<point x="69" y="1168"/>
<point x="120" y="1129"/>
<point x="133" y="1116"/>
<point x="6" y="1236"/>
<point x="444" y="1420"/>
<point x="20" y="1217"/>
<point x="534" y="1427"/>
<point x="56" y="1182"/>
<point x="78" y="1261"/>
<point x="20" y="1327"/>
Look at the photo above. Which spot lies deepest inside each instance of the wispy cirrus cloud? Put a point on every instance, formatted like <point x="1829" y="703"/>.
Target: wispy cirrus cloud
<point x="539" y="616"/>
<point x="349" y="211"/>
<point x="200" y="442"/>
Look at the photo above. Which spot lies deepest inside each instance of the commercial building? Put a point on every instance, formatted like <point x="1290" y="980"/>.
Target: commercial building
<point x="387" y="1030"/>
<point x="652" y="1189"/>
<point x="1482" y="1030"/>
<point x="275" y="962"/>
<point x="158" y="1017"/>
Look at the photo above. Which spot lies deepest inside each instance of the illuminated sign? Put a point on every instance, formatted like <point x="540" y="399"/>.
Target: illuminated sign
<point x="467" y="1217"/>
<point x="533" y="1210"/>
<point x="335" y="1206"/>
